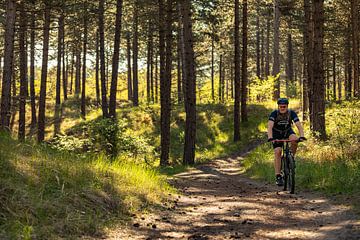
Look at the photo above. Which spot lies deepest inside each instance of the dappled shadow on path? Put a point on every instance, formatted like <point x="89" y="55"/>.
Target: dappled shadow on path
<point x="218" y="202"/>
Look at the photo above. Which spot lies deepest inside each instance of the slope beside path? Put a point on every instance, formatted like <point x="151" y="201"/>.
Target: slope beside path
<point x="218" y="201"/>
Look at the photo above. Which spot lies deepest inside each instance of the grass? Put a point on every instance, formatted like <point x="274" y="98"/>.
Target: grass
<point x="332" y="166"/>
<point x="46" y="194"/>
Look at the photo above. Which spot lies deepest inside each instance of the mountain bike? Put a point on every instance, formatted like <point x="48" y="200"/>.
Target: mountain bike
<point x="288" y="165"/>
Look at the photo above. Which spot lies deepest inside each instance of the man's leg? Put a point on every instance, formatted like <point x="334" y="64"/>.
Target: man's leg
<point x="277" y="152"/>
<point x="294" y="144"/>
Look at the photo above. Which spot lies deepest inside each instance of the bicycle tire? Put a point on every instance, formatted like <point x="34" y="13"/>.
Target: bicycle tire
<point x="285" y="173"/>
<point x="291" y="176"/>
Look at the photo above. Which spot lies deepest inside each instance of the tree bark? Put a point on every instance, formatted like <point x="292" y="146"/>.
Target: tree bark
<point x="267" y="56"/>
<point x="334" y="75"/>
<point x="290" y="66"/>
<point x="32" y="71"/>
<point x="179" y="58"/>
<point x="237" y="73"/>
<point x="258" y="64"/>
<point x="244" y="74"/>
<point x="355" y="44"/>
<point x="276" y="66"/>
<point x="135" y="55"/>
<point x="262" y="54"/>
<point x="59" y="55"/>
<point x="221" y="99"/>
<point x="308" y="51"/>
<point x="77" y="70"/>
<point x="318" y="72"/>
<point x="85" y="42"/>
<point x="104" y="104"/>
<point x="129" y="78"/>
<point x="115" y="60"/>
<point x="8" y="62"/>
<point x="212" y="66"/>
<point x="45" y="55"/>
<point x="65" y="64"/>
<point x="97" y="65"/>
<point x="148" y="63"/>
<point x="23" y="70"/>
<point x="190" y="85"/>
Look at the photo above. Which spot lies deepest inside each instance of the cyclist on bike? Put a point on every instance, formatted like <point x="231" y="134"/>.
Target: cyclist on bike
<point x="279" y="127"/>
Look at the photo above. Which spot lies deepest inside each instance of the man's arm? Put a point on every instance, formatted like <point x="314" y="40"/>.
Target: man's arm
<point x="270" y="129"/>
<point x="300" y="127"/>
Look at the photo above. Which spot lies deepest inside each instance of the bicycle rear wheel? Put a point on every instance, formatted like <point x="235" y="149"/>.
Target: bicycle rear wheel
<point x="291" y="176"/>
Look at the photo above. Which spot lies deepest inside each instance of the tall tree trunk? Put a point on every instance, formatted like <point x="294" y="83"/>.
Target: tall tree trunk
<point x="156" y="79"/>
<point x="220" y="79"/>
<point x="318" y="83"/>
<point x="32" y="71"/>
<point x="135" y="55"/>
<point x="148" y="63"/>
<point x="45" y="55"/>
<point x="262" y="54"/>
<point x="348" y="66"/>
<point x="276" y="66"/>
<point x="115" y="60"/>
<point x="8" y="62"/>
<point x="104" y="104"/>
<point x="212" y="66"/>
<point x="65" y="65"/>
<point x="83" y="95"/>
<point x="334" y="76"/>
<point x="59" y="55"/>
<point x="244" y="74"/>
<point x="190" y="85"/>
<point x="179" y="57"/>
<point x="308" y="51"/>
<point x="165" y="81"/>
<point x="237" y="73"/>
<point x="355" y="44"/>
<point x="267" y="56"/>
<point x="78" y="70"/>
<point x="129" y="78"/>
<point x="97" y="65"/>
<point x="23" y="70"/>
<point x="72" y="72"/>
<point x="290" y="65"/>
<point x="258" y="64"/>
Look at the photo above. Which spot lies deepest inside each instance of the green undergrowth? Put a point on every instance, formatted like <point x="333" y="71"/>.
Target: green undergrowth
<point x="51" y="194"/>
<point x="332" y="166"/>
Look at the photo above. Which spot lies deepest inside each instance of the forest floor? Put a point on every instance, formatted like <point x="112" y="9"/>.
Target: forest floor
<point x="217" y="200"/>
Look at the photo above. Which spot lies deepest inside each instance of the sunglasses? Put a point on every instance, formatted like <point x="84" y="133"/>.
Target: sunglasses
<point x="282" y="106"/>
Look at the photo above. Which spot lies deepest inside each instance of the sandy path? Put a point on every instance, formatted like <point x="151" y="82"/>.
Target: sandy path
<point x="218" y="202"/>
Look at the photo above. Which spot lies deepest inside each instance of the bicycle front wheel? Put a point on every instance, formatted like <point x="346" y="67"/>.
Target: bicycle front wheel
<point x="291" y="176"/>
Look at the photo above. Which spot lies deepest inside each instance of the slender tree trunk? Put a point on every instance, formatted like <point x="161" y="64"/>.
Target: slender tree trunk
<point x="97" y="65"/>
<point x="83" y="90"/>
<point x="23" y="70"/>
<point x="237" y="73"/>
<point x="115" y="60"/>
<point x="148" y="63"/>
<point x="190" y="85"/>
<point x="212" y="66"/>
<point x="318" y="83"/>
<point x="355" y="44"/>
<point x="339" y="86"/>
<point x="32" y="71"/>
<point x="135" y="55"/>
<point x="165" y="85"/>
<point x="290" y="66"/>
<point x="65" y="65"/>
<point x="244" y="74"/>
<point x="156" y="79"/>
<point x="258" y="64"/>
<point x="262" y="54"/>
<point x="104" y="104"/>
<point x="72" y="71"/>
<point x="276" y="66"/>
<point x="334" y="76"/>
<point x="348" y="66"/>
<point x="129" y="78"/>
<point x="45" y="55"/>
<point x="59" y="55"/>
<point x="8" y="62"/>
<point x="179" y="58"/>
<point x="77" y="71"/>
<point x="220" y="79"/>
<point x="232" y="80"/>
<point x="267" y="56"/>
<point x="308" y="51"/>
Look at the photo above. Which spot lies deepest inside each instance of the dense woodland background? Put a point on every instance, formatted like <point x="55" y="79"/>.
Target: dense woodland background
<point x="101" y="53"/>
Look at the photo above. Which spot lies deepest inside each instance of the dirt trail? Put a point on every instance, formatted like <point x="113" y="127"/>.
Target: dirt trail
<point x="218" y="202"/>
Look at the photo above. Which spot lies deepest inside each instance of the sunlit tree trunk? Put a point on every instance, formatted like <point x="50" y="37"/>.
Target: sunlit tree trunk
<point x="129" y="78"/>
<point x="135" y="55"/>
<point x="355" y="44"/>
<point x="244" y="59"/>
<point x="237" y="72"/>
<point x="85" y="42"/>
<point x="104" y="103"/>
<point x="59" y="55"/>
<point x="32" y="71"/>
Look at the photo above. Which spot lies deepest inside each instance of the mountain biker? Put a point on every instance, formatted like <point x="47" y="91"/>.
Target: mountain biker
<point x="279" y="127"/>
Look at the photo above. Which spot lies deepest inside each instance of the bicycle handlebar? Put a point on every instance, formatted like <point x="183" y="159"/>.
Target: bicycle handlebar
<point x="286" y="140"/>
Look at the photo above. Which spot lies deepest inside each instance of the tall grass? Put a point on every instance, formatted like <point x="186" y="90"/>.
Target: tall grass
<point x="47" y="194"/>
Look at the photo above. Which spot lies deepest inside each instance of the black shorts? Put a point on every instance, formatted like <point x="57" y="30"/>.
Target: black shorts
<point x="279" y="135"/>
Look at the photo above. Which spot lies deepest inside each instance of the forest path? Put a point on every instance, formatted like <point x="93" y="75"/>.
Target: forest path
<point x="217" y="201"/>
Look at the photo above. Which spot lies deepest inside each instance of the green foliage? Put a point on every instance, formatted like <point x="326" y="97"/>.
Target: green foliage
<point x="260" y="88"/>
